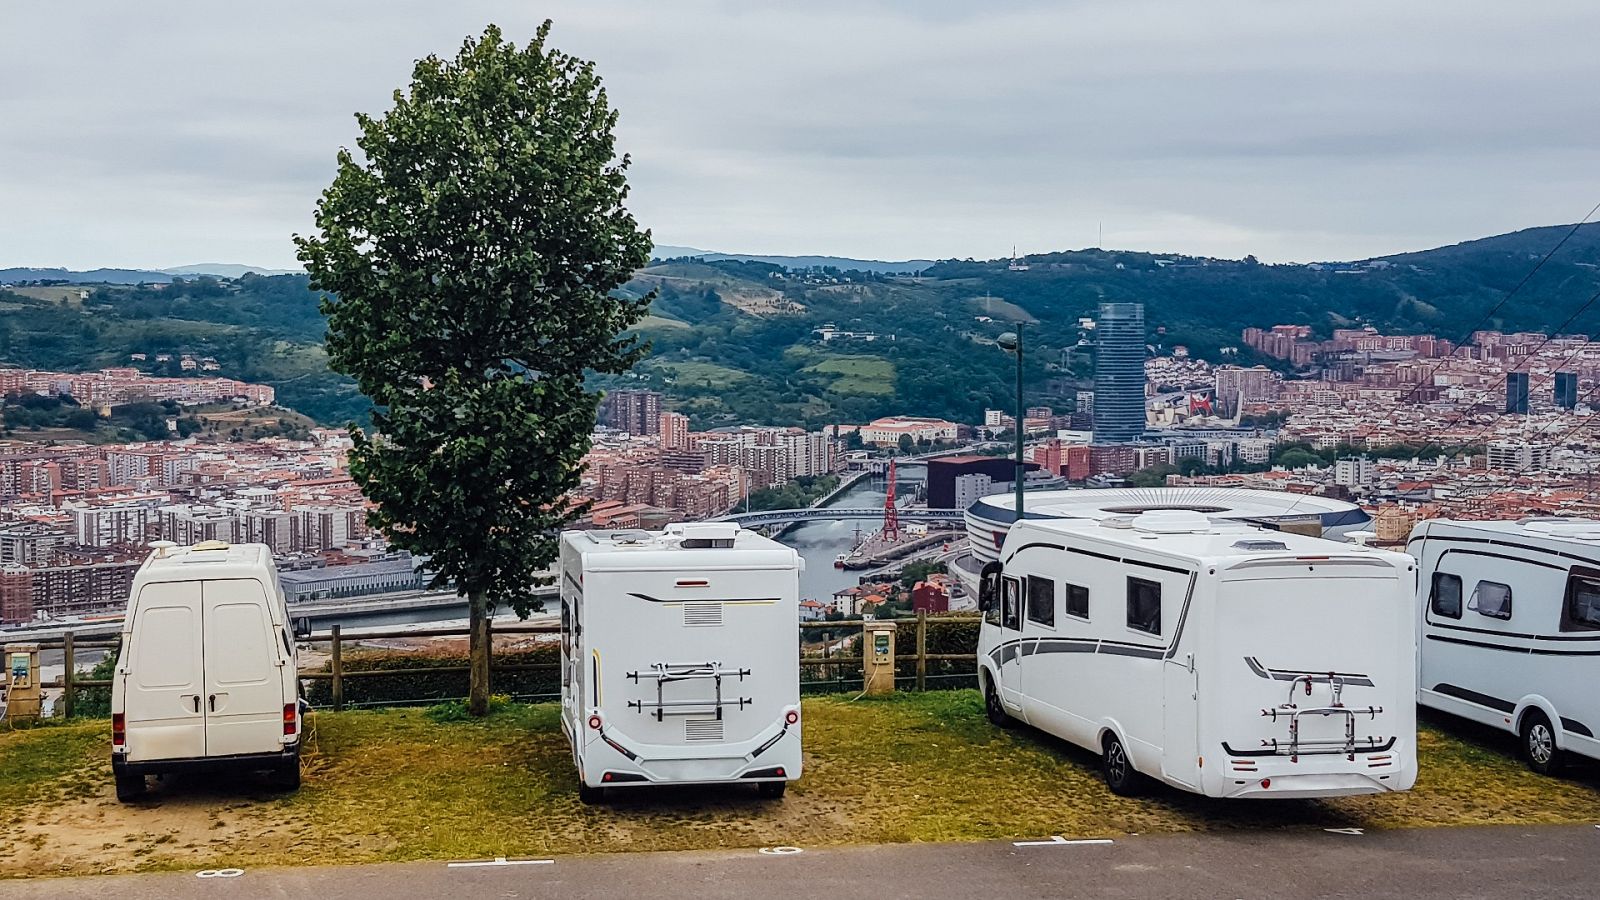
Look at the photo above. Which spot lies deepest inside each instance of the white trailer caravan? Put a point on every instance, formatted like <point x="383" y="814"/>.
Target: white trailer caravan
<point x="207" y="677"/>
<point x="1511" y="629"/>
<point x="680" y="657"/>
<point x="1218" y="658"/>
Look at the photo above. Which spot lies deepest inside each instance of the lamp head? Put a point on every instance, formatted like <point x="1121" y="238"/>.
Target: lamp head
<point x="1007" y="341"/>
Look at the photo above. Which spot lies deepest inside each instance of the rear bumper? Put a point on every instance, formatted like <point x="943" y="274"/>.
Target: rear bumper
<point x="606" y="761"/>
<point x="246" y="762"/>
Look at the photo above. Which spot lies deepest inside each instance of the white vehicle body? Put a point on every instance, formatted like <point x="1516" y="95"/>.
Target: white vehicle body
<point x="680" y="657"/>
<point x="207" y="675"/>
<point x="1510" y="619"/>
<point x="1225" y="660"/>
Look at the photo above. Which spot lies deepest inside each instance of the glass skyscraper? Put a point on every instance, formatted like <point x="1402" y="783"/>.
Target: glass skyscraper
<point x="1119" y="373"/>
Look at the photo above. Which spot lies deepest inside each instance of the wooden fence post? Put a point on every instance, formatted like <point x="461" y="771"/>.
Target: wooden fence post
<point x="488" y="640"/>
<point x="69" y="660"/>
<point x="338" y="671"/>
<point x="922" y="649"/>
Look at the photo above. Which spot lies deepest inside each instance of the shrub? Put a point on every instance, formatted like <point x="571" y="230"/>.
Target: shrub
<point x="400" y="684"/>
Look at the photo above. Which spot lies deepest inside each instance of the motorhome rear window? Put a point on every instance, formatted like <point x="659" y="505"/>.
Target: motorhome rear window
<point x="1445" y="597"/>
<point x="1078" y="601"/>
<point x="1492" y="599"/>
<point x="1582" y="610"/>
<point x="1144" y="605"/>
<point x="1041" y="601"/>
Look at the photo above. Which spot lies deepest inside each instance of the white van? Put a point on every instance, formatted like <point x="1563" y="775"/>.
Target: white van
<point x="1217" y="658"/>
<point x="680" y="658"/>
<point x="1510" y="615"/>
<point x="207" y="676"/>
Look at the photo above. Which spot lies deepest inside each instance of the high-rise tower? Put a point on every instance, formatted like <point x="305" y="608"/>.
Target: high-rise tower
<point x="1119" y="373"/>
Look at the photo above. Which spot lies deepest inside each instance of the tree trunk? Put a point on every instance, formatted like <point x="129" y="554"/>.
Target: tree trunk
<point x="478" y="651"/>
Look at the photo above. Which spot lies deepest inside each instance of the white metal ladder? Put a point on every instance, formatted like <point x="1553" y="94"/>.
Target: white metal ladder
<point x="668" y="673"/>
<point x="1295" y="747"/>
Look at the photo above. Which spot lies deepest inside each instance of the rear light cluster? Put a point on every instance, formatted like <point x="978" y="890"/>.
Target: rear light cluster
<point x="595" y="723"/>
<point x="291" y="719"/>
<point x="792" y="716"/>
<point x="119" y="730"/>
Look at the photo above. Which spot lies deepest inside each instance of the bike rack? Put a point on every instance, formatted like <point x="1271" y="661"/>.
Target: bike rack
<point x="668" y="673"/>
<point x="1295" y="747"/>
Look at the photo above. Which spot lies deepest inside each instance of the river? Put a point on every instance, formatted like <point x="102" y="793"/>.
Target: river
<point x="820" y="543"/>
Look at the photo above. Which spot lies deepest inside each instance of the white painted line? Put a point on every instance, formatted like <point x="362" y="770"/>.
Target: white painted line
<point x="780" y="851"/>
<point x="219" y="873"/>
<point x="1344" y="831"/>
<point x="500" y="861"/>
<point x="1057" y="840"/>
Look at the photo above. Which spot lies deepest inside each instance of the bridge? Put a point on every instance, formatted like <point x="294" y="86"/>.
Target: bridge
<point x="832" y="513"/>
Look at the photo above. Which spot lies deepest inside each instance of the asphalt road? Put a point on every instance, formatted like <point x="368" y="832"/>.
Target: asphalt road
<point x="1553" y="861"/>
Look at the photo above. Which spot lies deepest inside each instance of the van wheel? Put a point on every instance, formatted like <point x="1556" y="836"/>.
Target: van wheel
<point x="287" y="776"/>
<point x="1539" y="743"/>
<point x="772" y="790"/>
<point x="590" y="795"/>
<point x="994" y="709"/>
<point x="129" y="788"/>
<point x="1118" y="768"/>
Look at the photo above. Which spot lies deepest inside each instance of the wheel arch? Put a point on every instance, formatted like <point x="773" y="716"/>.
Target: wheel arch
<point x="1535" y="702"/>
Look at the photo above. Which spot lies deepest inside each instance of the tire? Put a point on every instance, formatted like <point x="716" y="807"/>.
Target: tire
<point x="1118" y="769"/>
<point x="772" y="790"/>
<point x="286" y="777"/>
<point x="130" y="788"/>
<point x="994" y="709"/>
<point x="589" y="796"/>
<point x="1539" y="743"/>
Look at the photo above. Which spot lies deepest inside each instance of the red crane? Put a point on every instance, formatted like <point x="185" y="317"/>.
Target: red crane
<point x="891" y="517"/>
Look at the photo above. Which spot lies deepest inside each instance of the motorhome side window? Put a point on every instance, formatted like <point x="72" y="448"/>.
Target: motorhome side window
<point x="1041" y="600"/>
<point x="1582" y="609"/>
<point x="1077" y="601"/>
<point x="1011" y="604"/>
<point x="1144" y="605"/>
<point x="1492" y="599"/>
<point x="1445" y="597"/>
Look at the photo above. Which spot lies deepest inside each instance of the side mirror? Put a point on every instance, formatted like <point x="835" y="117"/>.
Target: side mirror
<point x="302" y="627"/>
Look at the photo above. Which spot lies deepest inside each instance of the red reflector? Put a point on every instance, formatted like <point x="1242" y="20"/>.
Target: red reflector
<point x="119" y="729"/>
<point x="792" y="717"/>
<point x="594" y="722"/>
<point x="1266" y="783"/>
<point x="692" y="582"/>
<point x="779" y="772"/>
<point x="606" y="777"/>
<point x="291" y="713"/>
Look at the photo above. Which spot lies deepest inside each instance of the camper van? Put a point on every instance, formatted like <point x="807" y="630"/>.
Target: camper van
<point x="1215" y="657"/>
<point x="680" y="658"/>
<point x="207" y="677"/>
<point x="1511" y="629"/>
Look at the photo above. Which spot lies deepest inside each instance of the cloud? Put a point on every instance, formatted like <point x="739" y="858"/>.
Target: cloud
<point x="140" y="134"/>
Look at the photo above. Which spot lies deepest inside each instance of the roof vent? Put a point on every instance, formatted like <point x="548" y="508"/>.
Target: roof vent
<point x="1171" y="521"/>
<point x="1252" y="544"/>
<point x="631" y="537"/>
<point x="702" y="535"/>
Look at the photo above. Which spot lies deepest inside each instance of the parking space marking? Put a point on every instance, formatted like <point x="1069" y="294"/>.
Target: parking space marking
<point x="219" y="873"/>
<point x="1344" y="831"/>
<point x="1057" y="840"/>
<point x="500" y="861"/>
<point x="780" y="851"/>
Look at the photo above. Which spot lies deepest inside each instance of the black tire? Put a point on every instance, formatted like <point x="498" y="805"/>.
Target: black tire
<point x="1118" y="769"/>
<point x="772" y="790"/>
<point x="1539" y="743"/>
<point x="994" y="709"/>
<point x="590" y="795"/>
<point x="130" y="788"/>
<point x="286" y="777"/>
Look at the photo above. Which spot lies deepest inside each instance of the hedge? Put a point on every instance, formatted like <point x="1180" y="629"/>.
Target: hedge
<point x="405" y="686"/>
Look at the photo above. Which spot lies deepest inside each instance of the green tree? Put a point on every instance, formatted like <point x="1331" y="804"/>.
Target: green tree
<point x="907" y="446"/>
<point x="472" y="254"/>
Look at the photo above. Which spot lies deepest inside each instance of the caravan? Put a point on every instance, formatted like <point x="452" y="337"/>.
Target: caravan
<point x="207" y="677"/>
<point x="680" y="657"/>
<point x="1510" y="616"/>
<point x="1218" y="658"/>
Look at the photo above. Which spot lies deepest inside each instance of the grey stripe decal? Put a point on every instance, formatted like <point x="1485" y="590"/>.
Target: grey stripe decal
<point x="1291" y="674"/>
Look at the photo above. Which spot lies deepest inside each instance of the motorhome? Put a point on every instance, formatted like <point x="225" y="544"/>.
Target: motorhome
<point x="1216" y="657"/>
<point x="207" y="676"/>
<point x="680" y="658"/>
<point x="1510" y="622"/>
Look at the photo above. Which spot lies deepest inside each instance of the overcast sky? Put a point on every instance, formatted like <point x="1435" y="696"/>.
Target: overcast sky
<point x="161" y="133"/>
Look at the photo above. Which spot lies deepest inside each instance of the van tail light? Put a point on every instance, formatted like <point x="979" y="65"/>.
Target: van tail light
<point x="291" y="713"/>
<point x="119" y="730"/>
<point x="595" y="723"/>
<point x="792" y="716"/>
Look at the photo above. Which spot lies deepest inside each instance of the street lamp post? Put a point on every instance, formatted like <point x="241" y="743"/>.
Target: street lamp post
<point x="1011" y="341"/>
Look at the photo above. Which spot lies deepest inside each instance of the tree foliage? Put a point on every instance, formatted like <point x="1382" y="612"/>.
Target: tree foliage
<point x="472" y="253"/>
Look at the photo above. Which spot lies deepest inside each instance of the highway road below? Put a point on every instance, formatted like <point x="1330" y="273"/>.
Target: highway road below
<point x="1543" y="861"/>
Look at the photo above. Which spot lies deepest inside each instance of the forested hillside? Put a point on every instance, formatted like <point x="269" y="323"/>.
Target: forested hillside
<point x="738" y="341"/>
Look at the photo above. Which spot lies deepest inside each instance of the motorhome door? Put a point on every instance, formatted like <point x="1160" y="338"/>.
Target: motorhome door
<point x="1010" y="631"/>
<point x="1180" y="732"/>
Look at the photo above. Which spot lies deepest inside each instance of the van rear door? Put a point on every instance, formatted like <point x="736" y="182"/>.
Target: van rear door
<point x="162" y="703"/>
<point x="243" y="682"/>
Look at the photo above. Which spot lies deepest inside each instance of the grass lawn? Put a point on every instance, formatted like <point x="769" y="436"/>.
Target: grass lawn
<point x="703" y="374"/>
<point x="857" y="374"/>
<point x="394" y="785"/>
